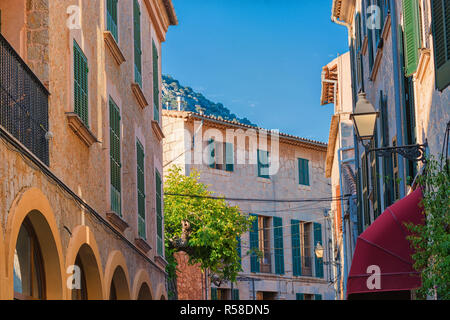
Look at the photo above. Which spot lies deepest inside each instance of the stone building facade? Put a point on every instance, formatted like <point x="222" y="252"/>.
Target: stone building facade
<point x="400" y="60"/>
<point x="293" y="237"/>
<point x="340" y="164"/>
<point x="81" y="148"/>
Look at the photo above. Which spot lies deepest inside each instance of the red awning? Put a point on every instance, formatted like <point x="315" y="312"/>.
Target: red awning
<point x="384" y="245"/>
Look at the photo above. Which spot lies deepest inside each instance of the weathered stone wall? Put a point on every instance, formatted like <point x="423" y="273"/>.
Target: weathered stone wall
<point x="46" y="44"/>
<point x="243" y="182"/>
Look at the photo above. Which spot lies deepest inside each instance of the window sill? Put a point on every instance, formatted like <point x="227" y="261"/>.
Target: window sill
<point x="365" y="45"/>
<point x="161" y="261"/>
<point x="304" y="188"/>
<point x="220" y="172"/>
<point x="386" y="27"/>
<point x="377" y="62"/>
<point x="264" y="180"/>
<point x="422" y="67"/>
<point x="80" y="129"/>
<point x="142" y="244"/>
<point x="136" y="88"/>
<point x="117" y="221"/>
<point x="157" y="130"/>
<point x="113" y="47"/>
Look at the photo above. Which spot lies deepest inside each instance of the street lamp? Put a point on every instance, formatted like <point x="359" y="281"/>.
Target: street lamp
<point x="364" y="120"/>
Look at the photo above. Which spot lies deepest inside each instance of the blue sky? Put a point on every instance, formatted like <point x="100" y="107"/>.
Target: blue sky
<point x="261" y="58"/>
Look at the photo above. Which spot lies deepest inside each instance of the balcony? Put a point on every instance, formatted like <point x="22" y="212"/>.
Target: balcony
<point x="23" y="102"/>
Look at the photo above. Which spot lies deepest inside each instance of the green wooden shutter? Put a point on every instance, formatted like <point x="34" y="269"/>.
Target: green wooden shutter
<point x="141" y="190"/>
<point x="213" y="293"/>
<point x="278" y="243"/>
<point x="318" y="240"/>
<point x="235" y="294"/>
<point x="137" y="43"/>
<point x="111" y="14"/>
<point x="81" y="70"/>
<point x="387" y="161"/>
<point x="263" y="164"/>
<point x="239" y="249"/>
<point x="254" y="245"/>
<point x="115" y="157"/>
<point x="155" y="83"/>
<point x="296" y="250"/>
<point x="412" y="37"/>
<point x="159" y="214"/>
<point x="300" y="296"/>
<point x="317" y="297"/>
<point x="303" y="172"/>
<point x="212" y="154"/>
<point x="229" y="150"/>
<point x="441" y="36"/>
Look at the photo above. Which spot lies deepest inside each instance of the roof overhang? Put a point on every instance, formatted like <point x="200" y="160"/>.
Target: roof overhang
<point x="343" y="10"/>
<point x="224" y="124"/>
<point x="329" y="83"/>
<point x="162" y="15"/>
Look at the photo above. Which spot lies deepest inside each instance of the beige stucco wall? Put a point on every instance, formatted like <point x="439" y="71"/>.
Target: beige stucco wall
<point x="86" y="170"/>
<point x="243" y="182"/>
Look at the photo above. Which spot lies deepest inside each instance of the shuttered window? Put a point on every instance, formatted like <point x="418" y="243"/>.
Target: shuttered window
<point x="235" y="294"/>
<point x="441" y="36"/>
<point x="159" y="214"/>
<point x="278" y="244"/>
<point x="374" y="165"/>
<point x="300" y="296"/>
<point x="387" y="161"/>
<point x="303" y="172"/>
<point x="155" y="83"/>
<point x="263" y="164"/>
<point x="141" y="190"/>
<point x="318" y="241"/>
<point x="254" y="245"/>
<point x="365" y="191"/>
<point x="214" y="294"/>
<point x="296" y="250"/>
<point x="412" y="35"/>
<point x="137" y="43"/>
<point x="229" y="157"/>
<point x="111" y="17"/>
<point x="239" y="249"/>
<point x="81" y="71"/>
<point x="317" y="297"/>
<point x="211" y="153"/>
<point x="115" y="157"/>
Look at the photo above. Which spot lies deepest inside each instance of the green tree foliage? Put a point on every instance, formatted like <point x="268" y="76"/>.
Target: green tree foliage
<point x="432" y="240"/>
<point x="206" y="229"/>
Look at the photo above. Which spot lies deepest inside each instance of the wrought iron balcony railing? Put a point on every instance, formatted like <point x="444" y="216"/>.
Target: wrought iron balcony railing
<point x="23" y="102"/>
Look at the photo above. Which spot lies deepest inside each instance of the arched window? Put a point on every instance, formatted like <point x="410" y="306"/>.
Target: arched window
<point x="29" y="275"/>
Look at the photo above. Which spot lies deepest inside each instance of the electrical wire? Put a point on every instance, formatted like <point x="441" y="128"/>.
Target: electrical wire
<point x="258" y="200"/>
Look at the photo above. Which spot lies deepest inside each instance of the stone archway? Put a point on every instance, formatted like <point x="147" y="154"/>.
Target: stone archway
<point x="116" y="284"/>
<point x="2" y="265"/>
<point x="32" y="206"/>
<point x="161" y="293"/>
<point x="83" y="247"/>
<point x="142" y="288"/>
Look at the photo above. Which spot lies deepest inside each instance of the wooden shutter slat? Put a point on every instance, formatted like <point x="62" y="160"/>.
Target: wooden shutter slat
<point x="412" y="36"/>
<point x="254" y="245"/>
<point x="278" y="242"/>
<point x="318" y="240"/>
<point x="296" y="250"/>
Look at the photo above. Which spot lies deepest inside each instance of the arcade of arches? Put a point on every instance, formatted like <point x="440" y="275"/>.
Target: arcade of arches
<point x="34" y="265"/>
